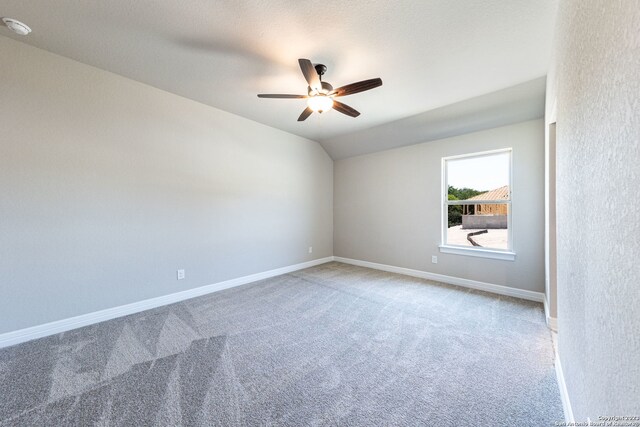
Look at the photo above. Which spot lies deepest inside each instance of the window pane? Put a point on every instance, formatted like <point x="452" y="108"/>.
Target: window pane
<point x="480" y="225"/>
<point x="471" y="177"/>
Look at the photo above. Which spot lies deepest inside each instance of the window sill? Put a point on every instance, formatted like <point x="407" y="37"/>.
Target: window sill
<point x="482" y="253"/>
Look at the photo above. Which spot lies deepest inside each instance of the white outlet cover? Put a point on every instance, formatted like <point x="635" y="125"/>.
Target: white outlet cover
<point x="434" y="259"/>
<point x="180" y="274"/>
<point x="310" y="249"/>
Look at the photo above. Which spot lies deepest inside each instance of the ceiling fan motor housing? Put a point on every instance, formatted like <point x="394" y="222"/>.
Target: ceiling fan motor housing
<point x="326" y="88"/>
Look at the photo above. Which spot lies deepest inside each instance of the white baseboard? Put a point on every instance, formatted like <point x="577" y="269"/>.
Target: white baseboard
<point x="39" y="331"/>
<point x="564" y="394"/>
<point x="552" y="322"/>
<point x="467" y="283"/>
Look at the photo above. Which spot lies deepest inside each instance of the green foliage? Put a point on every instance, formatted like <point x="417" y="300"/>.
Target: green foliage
<point x="463" y="193"/>
<point x="455" y="214"/>
<point x="455" y="211"/>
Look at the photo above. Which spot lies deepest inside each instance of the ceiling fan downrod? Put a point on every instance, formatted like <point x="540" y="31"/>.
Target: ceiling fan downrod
<point x="326" y="87"/>
<point x="320" y="69"/>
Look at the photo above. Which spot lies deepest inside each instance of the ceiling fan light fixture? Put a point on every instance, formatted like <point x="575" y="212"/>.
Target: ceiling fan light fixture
<point x="320" y="103"/>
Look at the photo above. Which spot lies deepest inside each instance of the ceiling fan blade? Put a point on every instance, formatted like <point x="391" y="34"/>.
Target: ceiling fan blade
<point x="352" y="88"/>
<point x="345" y="109"/>
<point x="280" y="95"/>
<point x="306" y="113"/>
<point x="310" y="74"/>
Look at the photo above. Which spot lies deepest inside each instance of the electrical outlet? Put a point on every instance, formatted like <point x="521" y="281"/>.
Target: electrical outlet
<point x="180" y="274"/>
<point x="310" y="249"/>
<point x="434" y="259"/>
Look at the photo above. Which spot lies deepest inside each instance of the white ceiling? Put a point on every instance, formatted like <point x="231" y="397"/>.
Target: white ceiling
<point x="501" y="108"/>
<point x="429" y="53"/>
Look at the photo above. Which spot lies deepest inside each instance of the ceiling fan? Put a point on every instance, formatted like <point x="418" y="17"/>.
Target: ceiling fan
<point x="321" y="95"/>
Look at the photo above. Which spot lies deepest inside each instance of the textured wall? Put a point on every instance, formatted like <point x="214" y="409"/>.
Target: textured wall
<point x="550" y="218"/>
<point x="387" y="207"/>
<point x="597" y="84"/>
<point x="107" y="186"/>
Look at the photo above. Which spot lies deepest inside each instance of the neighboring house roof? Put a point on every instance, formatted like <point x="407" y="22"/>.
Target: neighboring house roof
<point x="501" y="193"/>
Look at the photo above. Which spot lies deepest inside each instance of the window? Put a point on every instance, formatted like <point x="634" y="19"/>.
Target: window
<point x="476" y="205"/>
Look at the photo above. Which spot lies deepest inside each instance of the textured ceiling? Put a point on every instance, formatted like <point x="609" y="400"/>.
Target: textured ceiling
<point x="429" y="53"/>
<point x="504" y="107"/>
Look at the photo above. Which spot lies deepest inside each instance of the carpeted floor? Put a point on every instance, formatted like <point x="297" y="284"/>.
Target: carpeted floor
<point x="330" y="345"/>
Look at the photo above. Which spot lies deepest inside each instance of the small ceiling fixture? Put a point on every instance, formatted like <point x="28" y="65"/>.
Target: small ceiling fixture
<point x="16" y="26"/>
<point x="320" y="95"/>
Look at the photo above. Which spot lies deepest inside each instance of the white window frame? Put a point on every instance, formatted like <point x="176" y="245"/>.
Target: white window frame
<point x="501" y="254"/>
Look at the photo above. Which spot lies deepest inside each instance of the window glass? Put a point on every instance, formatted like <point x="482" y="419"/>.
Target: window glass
<point x="478" y="201"/>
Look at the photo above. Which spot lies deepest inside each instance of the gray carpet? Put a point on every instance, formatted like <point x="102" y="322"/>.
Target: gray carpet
<point x="330" y="345"/>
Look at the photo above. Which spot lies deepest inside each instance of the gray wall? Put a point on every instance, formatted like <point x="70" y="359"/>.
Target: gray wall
<point x="387" y="207"/>
<point x="596" y="80"/>
<point x="550" y="218"/>
<point x="107" y="186"/>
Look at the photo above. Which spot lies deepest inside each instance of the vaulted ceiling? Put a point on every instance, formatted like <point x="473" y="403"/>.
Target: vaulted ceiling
<point x="429" y="53"/>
